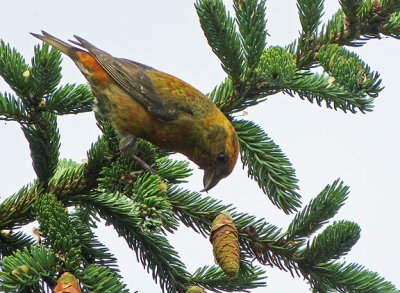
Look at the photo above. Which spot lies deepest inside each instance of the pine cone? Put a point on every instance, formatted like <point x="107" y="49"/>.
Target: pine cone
<point x="224" y="238"/>
<point x="67" y="283"/>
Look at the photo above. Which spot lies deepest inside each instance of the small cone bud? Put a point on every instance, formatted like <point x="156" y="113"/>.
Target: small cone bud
<point x="22" y="269"/>
<point x="224" y="238"/>
<point x="5" y="232"/>
<point x="37" y="234"/>
<point x="195" y="289"/>
<point x="331" y="81"/>
<point x="163" y="186"/>
<point x="67" y="283"/>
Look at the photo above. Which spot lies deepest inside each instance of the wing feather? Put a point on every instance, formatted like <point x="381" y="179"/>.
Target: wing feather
<point x="132" y="77"/>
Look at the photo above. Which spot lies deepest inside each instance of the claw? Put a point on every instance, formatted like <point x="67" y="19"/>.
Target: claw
<point x="146" y="167"/>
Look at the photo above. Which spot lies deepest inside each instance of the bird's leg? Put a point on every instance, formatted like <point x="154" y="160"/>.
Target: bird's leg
<point x="127" y="146"/>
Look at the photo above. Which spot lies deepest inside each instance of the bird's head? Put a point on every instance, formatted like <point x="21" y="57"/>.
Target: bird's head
<point x="221" y="153"/>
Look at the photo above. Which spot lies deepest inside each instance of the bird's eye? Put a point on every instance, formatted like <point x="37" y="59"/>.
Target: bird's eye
<point x="221" y="158"/>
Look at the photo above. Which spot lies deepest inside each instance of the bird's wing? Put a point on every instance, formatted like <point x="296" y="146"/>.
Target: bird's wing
<point x="132" y="77"/>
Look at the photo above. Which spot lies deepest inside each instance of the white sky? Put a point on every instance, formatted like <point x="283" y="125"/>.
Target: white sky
<point x="322" y="144"/>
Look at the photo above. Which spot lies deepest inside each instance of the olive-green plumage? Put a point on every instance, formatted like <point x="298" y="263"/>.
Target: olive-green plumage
<point x="225" y="242"/>
<point x="143" y="102"/>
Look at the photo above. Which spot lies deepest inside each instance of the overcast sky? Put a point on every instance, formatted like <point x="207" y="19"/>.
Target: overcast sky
<point x="322" y="144"/>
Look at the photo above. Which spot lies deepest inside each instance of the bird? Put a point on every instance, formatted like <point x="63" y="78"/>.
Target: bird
<point x="142" y="102"/>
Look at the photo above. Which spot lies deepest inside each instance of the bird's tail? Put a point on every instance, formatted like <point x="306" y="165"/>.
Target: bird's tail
<point x="64" y="47"/>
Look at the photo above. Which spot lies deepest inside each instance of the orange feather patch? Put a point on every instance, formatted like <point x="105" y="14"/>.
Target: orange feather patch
<point x="93" y="68"/>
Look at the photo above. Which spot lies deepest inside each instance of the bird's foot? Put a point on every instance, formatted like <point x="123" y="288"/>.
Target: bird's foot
<point x="136" y="174"/>
<point x="127" y="146"/>
<point x="146" y="167"/>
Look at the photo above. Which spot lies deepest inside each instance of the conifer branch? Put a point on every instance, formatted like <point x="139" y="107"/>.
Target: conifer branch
<point x="98" y="156"/>
<point x="100" y="279"/>
<point x="10" y="242"/>
<point x="352" y="9"/>
<point x="73" y="178"/>
<point x="114" y="207"/>
<point x="332" y="243"/>
<point x="44" y="142"/>
<point x="276" y="67"/>
<point x="150" y="195"/>
<point x="194" y="210"/>
<point x="172" y="170"/>
<point x="390" y="6"/>
<point x="16" y="210"/>
<point x="220" y="31"/>
<point x="12" y="109"/>
<point x="197" y="212"/>
<point x="323" y="89"/>
<point x="213" y="278"/>
<point x="264" y="242"/>
<point x="92" y="250"/>
<point x="68" y="179"/>
<point x="392" y="26"/>
<point x="251" y="20"/>
<point x="310" y="14"/>
<point x="349" y="71"/>
<point x="25" y="269"/>
<point x="351" y="277"/>
<point x="320" y="209"/>
<point x="58" y="230"/>
<point x="44" y="74"/>
<point x="268" y="166"/>
<point x="70" y="99"/>
<point x="12" y="69"/>
<point x="116" y="177"/>
<point x="351" y="25"/>
<point x="228" y="100"/>
<point x="152" y="250"/>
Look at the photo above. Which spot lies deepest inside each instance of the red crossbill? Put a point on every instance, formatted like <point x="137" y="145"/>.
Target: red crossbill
<point x="143" y="102"/>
